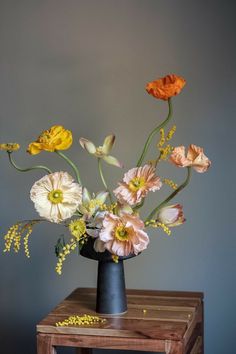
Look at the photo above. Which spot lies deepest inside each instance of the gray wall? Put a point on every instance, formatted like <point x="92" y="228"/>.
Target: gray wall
<point x="84" y="64"/>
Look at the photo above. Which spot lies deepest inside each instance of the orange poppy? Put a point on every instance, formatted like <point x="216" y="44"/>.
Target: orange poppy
<point x="166" y="87"/>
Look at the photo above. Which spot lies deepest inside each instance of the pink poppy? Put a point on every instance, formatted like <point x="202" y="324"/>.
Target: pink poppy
<point x="136" y="183"/>
<point x="195" y="158"/>
<point x="123" y="235"/>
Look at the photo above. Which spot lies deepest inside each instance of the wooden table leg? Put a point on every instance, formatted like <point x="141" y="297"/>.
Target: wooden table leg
<point x="44" y="345"/>
<point x="173" y="347"/>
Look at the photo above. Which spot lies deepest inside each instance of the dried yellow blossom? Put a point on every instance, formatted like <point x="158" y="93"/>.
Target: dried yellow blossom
<point x="115" y="258"/>
<point x="10" y="147"/>
<point x="15" y="233"/>
<point x="77" y="228"/>
<point x="84" y="320"/>
<point x="65" y="252"/>
<point x="162" y="138"/>
<point x="170" y="183"/>
<point x="164" y="152"/>
<point x="171" y="132"/>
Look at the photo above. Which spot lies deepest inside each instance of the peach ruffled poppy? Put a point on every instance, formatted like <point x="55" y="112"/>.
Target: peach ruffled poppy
<point x="166" y="87"/>
<point x="136" y="183"/>
<point x="55" y="138"/>
<point x="195" y="158"/>
<point x="123" y="235"/>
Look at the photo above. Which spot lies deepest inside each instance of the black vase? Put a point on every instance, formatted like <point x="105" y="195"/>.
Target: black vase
<point x="111" y="294"/>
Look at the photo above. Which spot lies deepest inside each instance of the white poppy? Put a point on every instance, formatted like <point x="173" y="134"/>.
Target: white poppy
<point x="56" y="196"/>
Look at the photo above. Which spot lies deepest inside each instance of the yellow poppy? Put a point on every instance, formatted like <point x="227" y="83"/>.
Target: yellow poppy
<point x="55" y="138"/>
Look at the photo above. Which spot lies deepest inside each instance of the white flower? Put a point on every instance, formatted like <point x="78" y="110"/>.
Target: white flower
<point x="56" y="196"/>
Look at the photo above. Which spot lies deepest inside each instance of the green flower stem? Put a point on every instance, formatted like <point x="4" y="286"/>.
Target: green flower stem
<point x="171" y="196"/>
<point x="140" y="205"/>
<point x="75" y="169"/>
<point x="151" y="135"/>
<point x="39" y="167"/>
<point x="102" y="178"/>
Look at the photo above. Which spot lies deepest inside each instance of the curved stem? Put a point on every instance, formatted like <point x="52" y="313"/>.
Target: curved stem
<point x="74" y="167"/>
<point x="153" y="132"/>
<point x="140" y="205"/>
<point x="171" y="196"/>
<point x="38" y="167"/>
<point x="102" y="178"/>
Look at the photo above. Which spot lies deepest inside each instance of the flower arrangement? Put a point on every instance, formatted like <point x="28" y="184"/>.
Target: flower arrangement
<point x="110" y="218"/>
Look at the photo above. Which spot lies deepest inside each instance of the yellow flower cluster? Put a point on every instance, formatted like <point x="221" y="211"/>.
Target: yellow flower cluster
<point x="170" y="183"/>
<point x="10" y="147"/>
<point x="168" y="136"/>
<point x="171" y="132"/>
<point x="115" y="258"/>
<point x="80" y="321"/>
<point x="62" y="256"/>
<point x="165" y="152"/>
<point x="154" y="223"/>
<point x="162" y="138"/>
<point x="164" y="228"/>
<point x="77" y="228"/>
<point x="14" y="235"/>
<point x="110" y="208"/>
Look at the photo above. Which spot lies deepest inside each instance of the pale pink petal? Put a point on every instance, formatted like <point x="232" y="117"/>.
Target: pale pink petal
<point x="136" y="184"/>
<point x="178" y="157"/>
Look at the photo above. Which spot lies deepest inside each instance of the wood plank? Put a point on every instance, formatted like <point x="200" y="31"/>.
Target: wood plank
<point x="144" y="293"/>
<point x="108" y="343"/>
<point x="90" y="305"/>
<point x="119" y="327"/>
<point x="90" y="300"/>
<point x="150" y="313"/>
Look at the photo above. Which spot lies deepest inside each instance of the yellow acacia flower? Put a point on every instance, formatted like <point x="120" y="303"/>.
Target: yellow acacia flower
<point x="77" y="228"/>
<point x="55" y="138"/>
<point x="10" y="147"/>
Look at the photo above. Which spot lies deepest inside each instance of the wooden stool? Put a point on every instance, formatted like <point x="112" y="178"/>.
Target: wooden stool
<point x="156" y="321"/>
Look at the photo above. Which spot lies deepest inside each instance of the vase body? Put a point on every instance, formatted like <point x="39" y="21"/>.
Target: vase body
<point x="111" y="293"/>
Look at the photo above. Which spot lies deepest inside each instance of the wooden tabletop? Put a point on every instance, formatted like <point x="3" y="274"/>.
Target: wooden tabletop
<point x="153" y="315"/>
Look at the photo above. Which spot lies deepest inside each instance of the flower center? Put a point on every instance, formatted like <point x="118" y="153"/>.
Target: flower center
<point x="136" y="183"/>
<point x="99" y="151"/>
<point x="55" y="196"/>
<point x="122" y="233"/>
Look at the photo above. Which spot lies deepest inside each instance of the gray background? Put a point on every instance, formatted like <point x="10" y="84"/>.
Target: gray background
<point x="84" y="64"/>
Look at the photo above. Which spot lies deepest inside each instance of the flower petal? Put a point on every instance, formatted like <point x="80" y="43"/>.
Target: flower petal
<point x="88" y="145"/>
<point x="112" y="161"/>
<point x="108" y="143"/>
